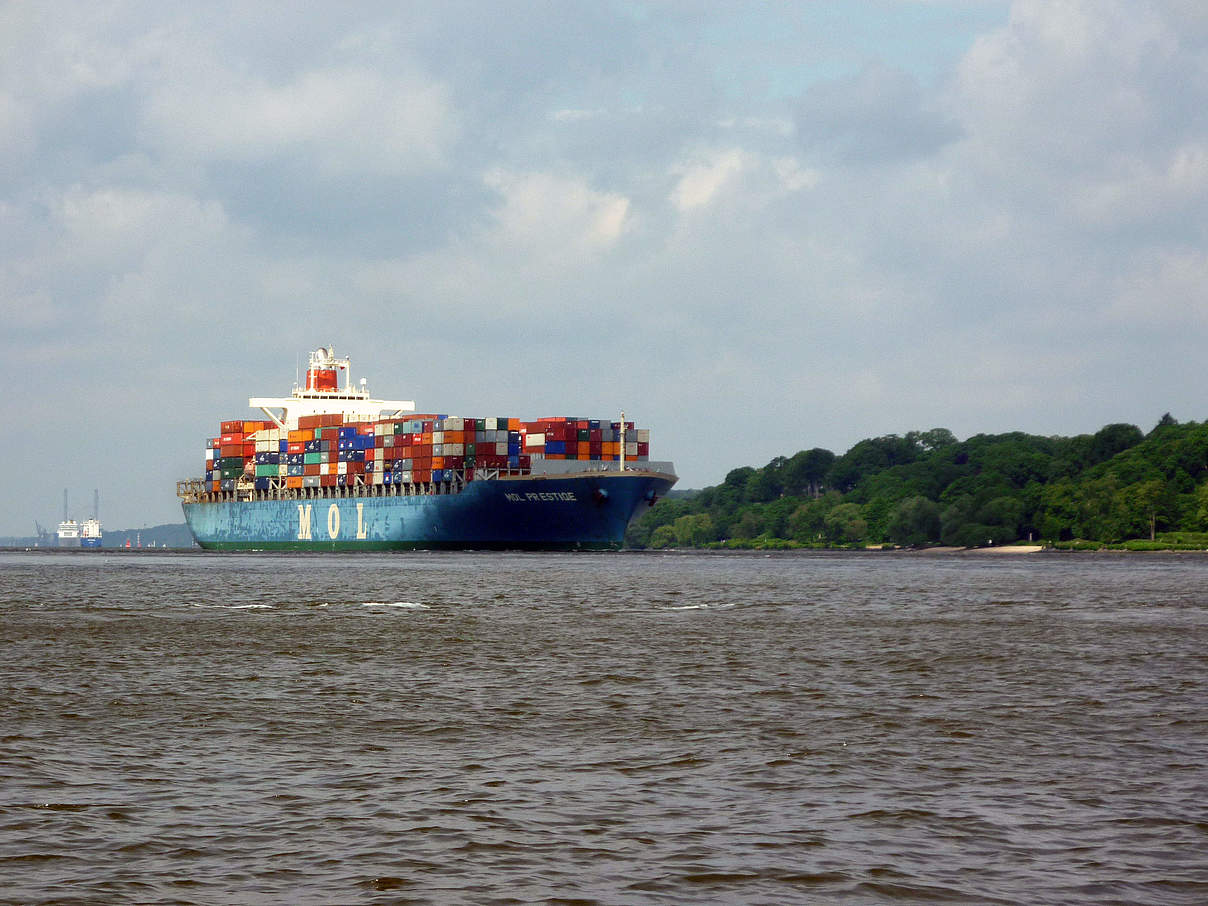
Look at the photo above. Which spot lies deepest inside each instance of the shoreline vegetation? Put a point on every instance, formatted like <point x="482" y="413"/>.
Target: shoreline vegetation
<point x="1118" y="489"/>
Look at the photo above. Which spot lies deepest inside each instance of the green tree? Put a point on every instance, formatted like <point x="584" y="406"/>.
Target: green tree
<point x="748" y="526"/>
<point x="661" y="537"/>
<point x="845" y="523"/>
<point x="805" y="472"/>
<point x="693" y="531"/>
<point x="1148" y="503"/>
<point x="914" y="521"/>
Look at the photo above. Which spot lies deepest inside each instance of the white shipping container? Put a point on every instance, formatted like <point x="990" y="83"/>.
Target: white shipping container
<point x="455" y="424"/>
<point x="453" y="450"/>
<point x="341" y="468"/>
<point x="403" y="476"/>
<point x="631" y="450"/>
<point x="501" y="449"/>
<point x="325" y="468"/>
<point x="492" y="424"/>
<point x="643" y="435"/>
<point x="438" y="437"/>
<point x="535" y="440"/>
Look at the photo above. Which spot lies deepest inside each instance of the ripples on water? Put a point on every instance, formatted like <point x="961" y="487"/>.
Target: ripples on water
<point x="630" y="728"/>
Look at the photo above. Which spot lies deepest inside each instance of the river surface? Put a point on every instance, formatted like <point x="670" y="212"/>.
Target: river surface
<point x="603" y="728"/>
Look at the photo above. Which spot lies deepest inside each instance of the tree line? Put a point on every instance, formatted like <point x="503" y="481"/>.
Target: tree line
<point x="929" y="488"/>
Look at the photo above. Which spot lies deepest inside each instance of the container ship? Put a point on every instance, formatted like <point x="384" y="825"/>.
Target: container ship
<point x="331" y="468"/>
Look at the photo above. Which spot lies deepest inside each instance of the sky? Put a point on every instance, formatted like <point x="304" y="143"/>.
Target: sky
<point x="755" y="227"/>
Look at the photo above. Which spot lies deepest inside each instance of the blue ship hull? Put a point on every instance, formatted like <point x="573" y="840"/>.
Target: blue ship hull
<point x="547" y="512"/>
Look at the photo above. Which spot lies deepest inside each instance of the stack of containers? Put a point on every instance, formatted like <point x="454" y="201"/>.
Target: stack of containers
<point x="586" y="440"/>
<point x="231" y="455"/>
<point x="338" y="451"/>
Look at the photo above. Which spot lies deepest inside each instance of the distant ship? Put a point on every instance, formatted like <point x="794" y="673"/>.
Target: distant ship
<point x="90" y="533"/>
<point x="333" y="469"/>
<point x="80" y="534"/>
<point x="69" y="533"/>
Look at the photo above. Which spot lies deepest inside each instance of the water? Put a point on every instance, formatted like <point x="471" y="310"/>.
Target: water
<point x="632" y="728"/>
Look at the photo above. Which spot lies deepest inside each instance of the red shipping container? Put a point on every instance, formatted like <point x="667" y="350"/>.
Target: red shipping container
<point x="311" y="468"/>
<point x="296" y="447"/>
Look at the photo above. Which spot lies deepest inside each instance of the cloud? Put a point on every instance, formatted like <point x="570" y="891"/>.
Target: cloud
<point x="878" y="116"/>
<point x="701" y="182"/>
<point x="545" y="231"/>
<point x="344" y="119"/>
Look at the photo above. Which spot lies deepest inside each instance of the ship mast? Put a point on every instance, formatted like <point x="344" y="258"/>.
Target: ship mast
<point x="622" y="440"/>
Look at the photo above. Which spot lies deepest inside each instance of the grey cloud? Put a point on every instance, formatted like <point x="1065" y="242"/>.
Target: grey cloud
<point x="878" y="116"/>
